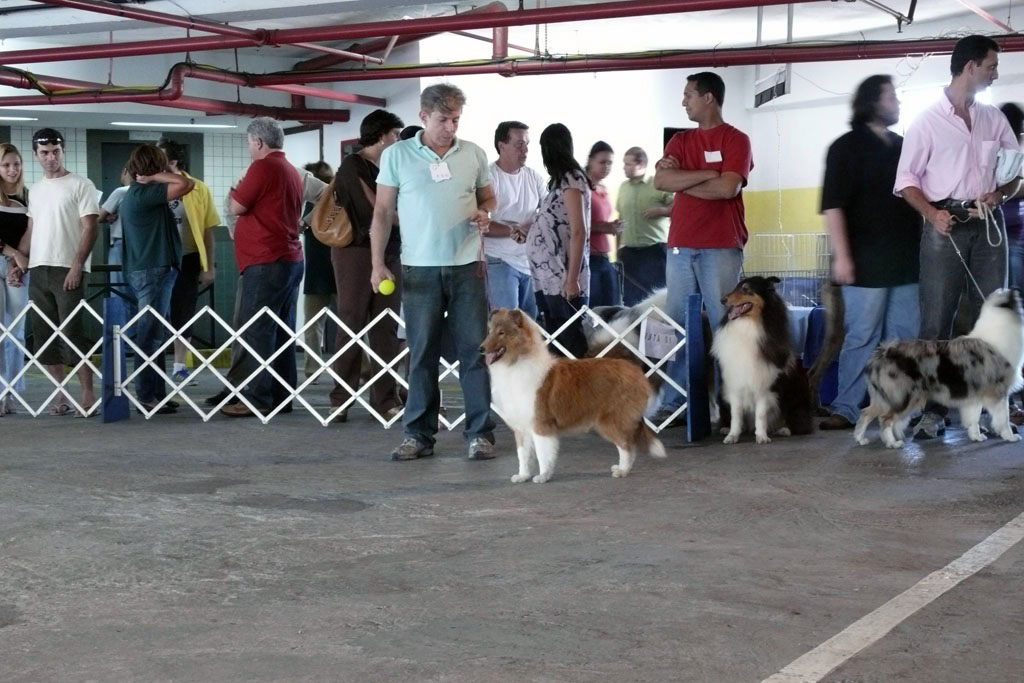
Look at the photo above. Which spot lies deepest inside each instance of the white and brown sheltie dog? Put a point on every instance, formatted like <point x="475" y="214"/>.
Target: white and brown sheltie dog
<point x="541" y="397"/>
<point x="970" y="373"/>
<point x="760" y="374"/>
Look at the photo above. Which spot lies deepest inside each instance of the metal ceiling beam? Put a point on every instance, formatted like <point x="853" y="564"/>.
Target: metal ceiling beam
<point x="460" y="22"/>
<point x="257" y="36"/>
<point x="900" y="17"/>
<point x="985" y="15"/>
<point x="777" y="54"/>
<point x="386" y="43"/>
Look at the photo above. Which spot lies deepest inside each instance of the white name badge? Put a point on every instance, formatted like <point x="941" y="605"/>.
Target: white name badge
<point x="713" y="157"/>
<point x="440" y="172"/>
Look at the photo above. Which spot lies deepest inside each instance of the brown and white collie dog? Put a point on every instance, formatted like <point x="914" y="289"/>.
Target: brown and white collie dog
<point x="760" y="374"/>
<point x="541" y="397"/>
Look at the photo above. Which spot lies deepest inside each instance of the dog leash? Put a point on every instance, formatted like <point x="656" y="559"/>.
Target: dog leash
<point x="987" y="214"/>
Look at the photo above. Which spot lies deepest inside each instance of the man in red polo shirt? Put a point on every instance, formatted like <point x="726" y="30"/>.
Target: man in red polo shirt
<point x="268" y="203"/>
<point x="706" y="167"/>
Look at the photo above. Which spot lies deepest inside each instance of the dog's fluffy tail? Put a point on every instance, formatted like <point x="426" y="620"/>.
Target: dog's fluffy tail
<point x="645" y="440"/>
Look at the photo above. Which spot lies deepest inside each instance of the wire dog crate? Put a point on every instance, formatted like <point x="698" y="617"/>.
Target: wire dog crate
<point x="799" y="260"/>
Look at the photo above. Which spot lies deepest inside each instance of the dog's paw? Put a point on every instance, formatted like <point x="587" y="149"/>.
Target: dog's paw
<point x="894" y="444"/>
<point x="762" y="438"/>
<point x="1010" y="436"/>
<point x="519" y="478"/>
<point x="976" y="435"/>
<point x="541" y="478"/>
<point x="618" y="471"/>
<point x="723" y="430"/>
<point x="863" y="441"/>
<point x="783" y="432"/>
<point x="731" y="438"/>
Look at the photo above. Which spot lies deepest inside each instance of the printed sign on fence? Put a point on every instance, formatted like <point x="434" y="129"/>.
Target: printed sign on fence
<point x="657" y="339"/>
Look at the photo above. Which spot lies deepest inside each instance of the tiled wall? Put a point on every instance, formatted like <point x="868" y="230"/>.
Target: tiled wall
<point x="225" y="158"/>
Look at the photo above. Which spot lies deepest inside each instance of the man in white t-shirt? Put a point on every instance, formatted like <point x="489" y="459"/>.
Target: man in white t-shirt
<point x="62" y="211"/>
<point x="519" y="190"/>
<point x="109" y="213"/>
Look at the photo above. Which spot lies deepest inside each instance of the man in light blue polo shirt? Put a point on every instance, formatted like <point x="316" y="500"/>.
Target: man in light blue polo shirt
<point x="441" y="187"/>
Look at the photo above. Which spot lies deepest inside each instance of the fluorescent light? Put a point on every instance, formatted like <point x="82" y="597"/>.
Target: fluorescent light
<point x="18" y="118"/>
<point x="140" y="124"/>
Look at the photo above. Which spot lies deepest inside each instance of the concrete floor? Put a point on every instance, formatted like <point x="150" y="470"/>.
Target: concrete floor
<point x="231" y="551"/>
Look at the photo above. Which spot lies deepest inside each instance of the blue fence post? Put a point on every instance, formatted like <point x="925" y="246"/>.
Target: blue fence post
<point x="698" y="423"/>
<point x="113" y="408"/>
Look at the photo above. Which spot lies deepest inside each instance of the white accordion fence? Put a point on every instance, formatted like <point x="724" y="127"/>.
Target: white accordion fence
<point x="12" y="378"/>
<point x="120" y="339"/>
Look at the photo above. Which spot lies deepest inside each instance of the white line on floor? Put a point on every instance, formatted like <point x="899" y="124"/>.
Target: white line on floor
<point x="868" y="630"/>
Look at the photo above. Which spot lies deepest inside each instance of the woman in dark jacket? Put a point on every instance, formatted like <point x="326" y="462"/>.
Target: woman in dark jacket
<point x="355" y="188"/>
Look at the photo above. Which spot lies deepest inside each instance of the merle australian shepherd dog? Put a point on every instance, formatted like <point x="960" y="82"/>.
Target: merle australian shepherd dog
<point x="974" y="372"/>
<point x="761" y="378"/>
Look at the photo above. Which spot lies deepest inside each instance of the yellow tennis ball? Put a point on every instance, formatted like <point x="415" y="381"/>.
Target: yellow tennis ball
<point x="386" y="287"/>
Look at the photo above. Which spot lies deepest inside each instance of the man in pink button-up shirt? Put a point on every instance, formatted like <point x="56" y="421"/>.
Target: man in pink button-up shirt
<point x="949" y="159"/>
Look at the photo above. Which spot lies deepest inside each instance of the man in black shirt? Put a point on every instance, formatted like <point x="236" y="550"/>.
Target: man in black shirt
<point x="876" y="238"/>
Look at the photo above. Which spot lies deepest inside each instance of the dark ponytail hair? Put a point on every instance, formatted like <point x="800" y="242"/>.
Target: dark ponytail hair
<point x="557" y="154"/>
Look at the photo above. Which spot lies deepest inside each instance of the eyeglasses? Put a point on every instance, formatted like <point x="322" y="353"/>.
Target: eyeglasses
<point x="48" y="141"/>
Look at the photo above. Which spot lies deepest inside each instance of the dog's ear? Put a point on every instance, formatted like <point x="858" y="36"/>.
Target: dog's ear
<point x="494" y="312"/>
<point x="772" y="280"/>
<point x="517" y="317"/>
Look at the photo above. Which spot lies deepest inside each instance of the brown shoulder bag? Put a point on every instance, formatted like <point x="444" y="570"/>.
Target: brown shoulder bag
<point x="330" y="222"/>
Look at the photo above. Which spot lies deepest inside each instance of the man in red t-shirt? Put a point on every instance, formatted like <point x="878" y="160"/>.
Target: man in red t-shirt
<point x="268" y="203"/>
<point x="706" y="167"/>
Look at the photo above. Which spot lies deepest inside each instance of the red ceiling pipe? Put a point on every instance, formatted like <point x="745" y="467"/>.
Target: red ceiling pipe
<point x="174" y="90"/>
<point x="499" y="48"/>
<point x="467" y="20"/>
<point x="171" y="96"/>
<point x="214" y="107"/>
<point x="254" y="36"/>
<point x="716" y="58"/>
<point x="304" y="90"/>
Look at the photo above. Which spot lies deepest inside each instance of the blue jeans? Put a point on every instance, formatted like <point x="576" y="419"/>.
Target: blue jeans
<point x="13" y="301"/>
<point x="276" y="286"/>
<point x="152" y="287"/>
<point x="712" y="273"/>
<point x="427" y="293"/>
<point x="115" y="257"/>
<point x="944" y="278"/>
<point x="509" y="288"/>
<point x="604" y="281"/>
<point x="1016" y="264"/>
<point x="643" y="270"/>
<point x="873" y="315"/>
